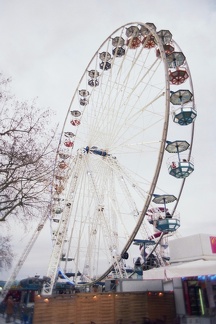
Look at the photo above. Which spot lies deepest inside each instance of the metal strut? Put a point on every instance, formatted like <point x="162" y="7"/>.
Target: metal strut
<point x="52" y="271"/>
<point x="117" y="262"/>
<point x="145" y="231"/>
<point x="24" y="256"/>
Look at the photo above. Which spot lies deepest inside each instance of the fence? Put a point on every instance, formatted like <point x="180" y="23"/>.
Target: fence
<point x="106" y="308"/>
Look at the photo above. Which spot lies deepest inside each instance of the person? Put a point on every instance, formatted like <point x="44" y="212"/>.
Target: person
<point x="9" y="309"/>
<point x="138" y="268"/>
<point x="173" y="165"/>
<point x="138" y="261"/>
<point x="24" y="314"/>
<point x="95" y="288"/>
<point x="2" y="308"/>
<point x="152" y="261"/>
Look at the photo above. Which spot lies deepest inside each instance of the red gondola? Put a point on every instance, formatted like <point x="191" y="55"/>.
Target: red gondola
<point x="134" y="42"/>
<point x="69" y="144"/>
<point x="75" y="122"/>
<point x="149" y="42"/>
<point x="178" y="76"/>
<point x="62" y="165"/>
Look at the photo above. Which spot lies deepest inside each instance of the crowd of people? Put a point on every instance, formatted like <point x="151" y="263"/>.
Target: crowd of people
<point x="13" y="311"/>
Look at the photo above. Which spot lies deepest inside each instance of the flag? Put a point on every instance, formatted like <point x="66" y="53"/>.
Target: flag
<point x="213" y="243"/>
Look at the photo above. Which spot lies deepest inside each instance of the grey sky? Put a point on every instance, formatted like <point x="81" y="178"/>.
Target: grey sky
<point x="46" y="45"/>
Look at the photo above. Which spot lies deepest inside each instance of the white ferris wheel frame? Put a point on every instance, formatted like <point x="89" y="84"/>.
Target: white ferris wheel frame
<point x="76" y="164"/>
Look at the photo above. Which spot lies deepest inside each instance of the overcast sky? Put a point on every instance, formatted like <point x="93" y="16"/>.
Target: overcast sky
<point x="45" y="47"/>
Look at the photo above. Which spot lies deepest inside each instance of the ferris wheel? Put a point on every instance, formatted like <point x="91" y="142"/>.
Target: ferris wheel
<point x="131" y="116"/>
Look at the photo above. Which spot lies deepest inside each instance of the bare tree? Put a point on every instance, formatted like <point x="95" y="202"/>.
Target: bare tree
<point x="26" y="156"/>
<point x="6" y="254"/>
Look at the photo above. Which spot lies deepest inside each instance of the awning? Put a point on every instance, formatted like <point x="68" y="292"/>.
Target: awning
<point x="187" y="269"/>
